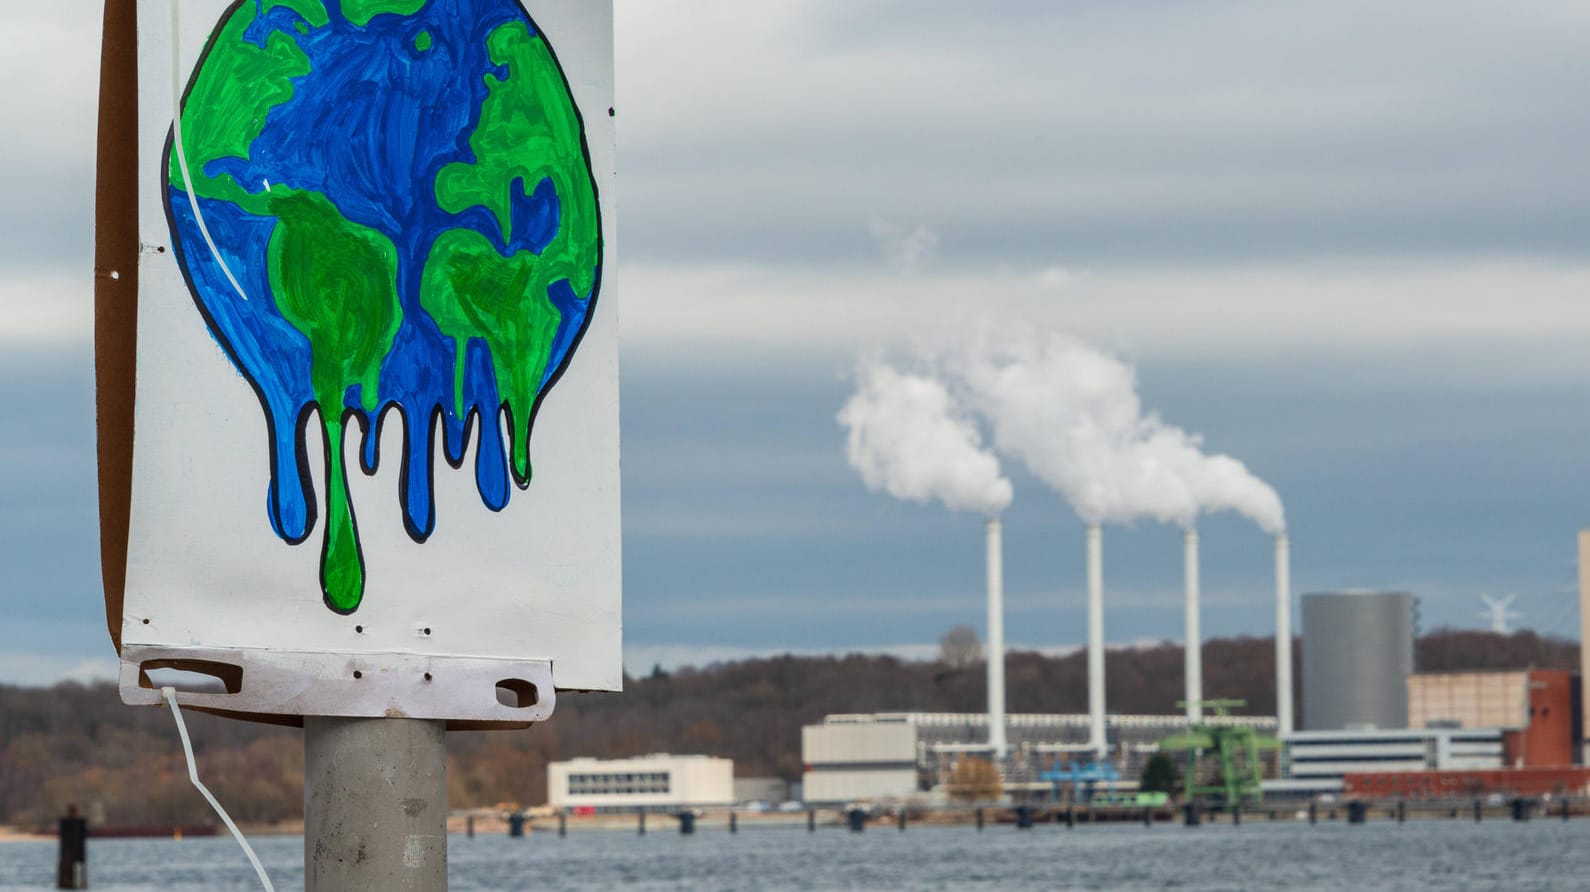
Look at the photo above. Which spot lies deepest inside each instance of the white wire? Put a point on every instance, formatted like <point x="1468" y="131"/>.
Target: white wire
<point x="170" y="694"/>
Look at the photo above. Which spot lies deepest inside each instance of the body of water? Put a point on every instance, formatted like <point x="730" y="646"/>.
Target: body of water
<point x="1423" y="855"/>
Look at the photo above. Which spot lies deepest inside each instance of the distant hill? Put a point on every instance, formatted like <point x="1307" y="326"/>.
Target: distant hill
<point x="75" y="743"/>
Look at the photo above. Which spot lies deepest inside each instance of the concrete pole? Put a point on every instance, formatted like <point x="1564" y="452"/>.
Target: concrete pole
<point x="996" y="641"/>
<point x="1283" y="634"/>
<point x="375" y="805"/>
<point x="1193" y="653"/>
<point x="1096" y="734"/>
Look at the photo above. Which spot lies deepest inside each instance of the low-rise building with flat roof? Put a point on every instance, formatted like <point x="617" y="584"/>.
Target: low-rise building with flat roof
<point x="653" y="783"/>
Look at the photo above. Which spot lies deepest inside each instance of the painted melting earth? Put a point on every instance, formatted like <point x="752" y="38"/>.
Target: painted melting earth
<point x="385" y="206"/>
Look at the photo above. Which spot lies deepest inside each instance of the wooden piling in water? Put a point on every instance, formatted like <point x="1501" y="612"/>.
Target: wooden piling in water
<point x="72" y="869"/>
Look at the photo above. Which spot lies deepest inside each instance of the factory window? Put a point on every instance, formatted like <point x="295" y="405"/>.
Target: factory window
<point x="618" y="783"/>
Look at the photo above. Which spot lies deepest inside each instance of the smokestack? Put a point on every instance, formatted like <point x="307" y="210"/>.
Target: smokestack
<point x="996" y="641"/>
<point x="1193" y="651"/>
<point x="1283" y="634"/>
<point x="1096" y="735"/>
<point x="1584" y="626"/>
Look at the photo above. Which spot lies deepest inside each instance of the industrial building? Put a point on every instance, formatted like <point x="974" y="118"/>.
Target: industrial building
<point x="888" y="756"/>
<point x="1567" y="781"/>
<point x="1319" y="761"/>
<point x="645" y="783"/>
<point x="1357" y="656"/>
<point x="1509" y="732"/>
<point x="1536" y="710"/>
<point x="1375" y="727"/>
<point x="761" y="790"/>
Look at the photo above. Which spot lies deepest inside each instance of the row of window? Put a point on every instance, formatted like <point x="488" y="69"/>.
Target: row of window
<point x="616" y="783"/>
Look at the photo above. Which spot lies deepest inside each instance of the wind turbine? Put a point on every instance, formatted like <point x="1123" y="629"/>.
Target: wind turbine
<point x="1497" y="613"/>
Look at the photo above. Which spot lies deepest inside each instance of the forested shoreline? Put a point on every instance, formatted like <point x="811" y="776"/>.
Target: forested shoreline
<point x="78" y="744"/>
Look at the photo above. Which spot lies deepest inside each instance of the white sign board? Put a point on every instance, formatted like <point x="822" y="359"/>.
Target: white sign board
<point x="374" y="457"/>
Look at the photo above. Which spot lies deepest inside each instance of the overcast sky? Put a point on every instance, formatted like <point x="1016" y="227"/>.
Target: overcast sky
<point x="1347" y="242"/>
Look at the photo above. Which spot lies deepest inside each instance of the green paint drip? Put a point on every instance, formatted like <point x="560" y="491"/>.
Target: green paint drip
<point x="341" y="561"/>
<point x="360" y="12"/>
<point x="528" y="133"/>
<point x="422" y="41"/>
<point x="474" y="292"/>
<point x="336" y="282"/>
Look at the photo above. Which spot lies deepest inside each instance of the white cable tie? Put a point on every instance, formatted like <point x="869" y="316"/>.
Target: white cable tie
<point x="170" y="695"/>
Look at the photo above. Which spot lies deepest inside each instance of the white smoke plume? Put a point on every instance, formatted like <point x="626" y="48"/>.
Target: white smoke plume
<point x="906" y="437"/>
<point x="1071" y="412"/>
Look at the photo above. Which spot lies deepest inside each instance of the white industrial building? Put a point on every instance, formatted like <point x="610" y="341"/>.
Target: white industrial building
<point x="893" y="755"/>
<point x="860" y="758"/>
<point x="1317" y="760"/>
<point x="657" y="783"/>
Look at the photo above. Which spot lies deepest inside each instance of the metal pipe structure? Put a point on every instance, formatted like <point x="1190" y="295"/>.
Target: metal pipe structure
<point x="375" y="804"/>
<point x="1283" y="634"/>
<point x="1096" y="734"/>
<point x="1193" y="650"/>
<point x="996" y="640"/>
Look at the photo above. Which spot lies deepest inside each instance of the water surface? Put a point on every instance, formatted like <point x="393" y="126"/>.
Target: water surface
<point x="1424" y="855"/>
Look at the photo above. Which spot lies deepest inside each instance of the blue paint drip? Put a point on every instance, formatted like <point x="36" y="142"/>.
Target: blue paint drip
<point x="491" y="461"/>
<point x="273" y="355"/>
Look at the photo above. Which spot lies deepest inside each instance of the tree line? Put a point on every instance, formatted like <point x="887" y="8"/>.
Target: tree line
<point x="78" y="744"/>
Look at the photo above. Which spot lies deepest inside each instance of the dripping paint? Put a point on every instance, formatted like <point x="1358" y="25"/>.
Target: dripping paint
<point x="386" y="213"/>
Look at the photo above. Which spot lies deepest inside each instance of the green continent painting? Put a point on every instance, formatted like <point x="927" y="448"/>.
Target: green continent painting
<point x="385" y="207"/>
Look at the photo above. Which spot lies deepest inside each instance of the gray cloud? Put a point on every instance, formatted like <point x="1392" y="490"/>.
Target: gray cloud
<point x="1346" y="241"/>
<point x="1157" y="133"/>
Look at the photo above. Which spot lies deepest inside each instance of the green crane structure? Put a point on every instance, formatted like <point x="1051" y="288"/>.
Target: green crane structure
<point x="1235" y="748"/>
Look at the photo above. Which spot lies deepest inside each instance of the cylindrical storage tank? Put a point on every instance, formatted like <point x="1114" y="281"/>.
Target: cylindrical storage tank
<point x="1357" y="656"/>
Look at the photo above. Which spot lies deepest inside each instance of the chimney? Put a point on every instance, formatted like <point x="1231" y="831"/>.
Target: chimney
<point x="1096" y="735"/>
<point x="1193" y="650"/>
<point x="1283" y="633"/>
<point x="1584" y="628"/>
<point x="996" y="641"/>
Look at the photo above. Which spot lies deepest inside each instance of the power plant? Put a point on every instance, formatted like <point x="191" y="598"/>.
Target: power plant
<point x="1071" y="413"/>
<point x="1098" y="742"/>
